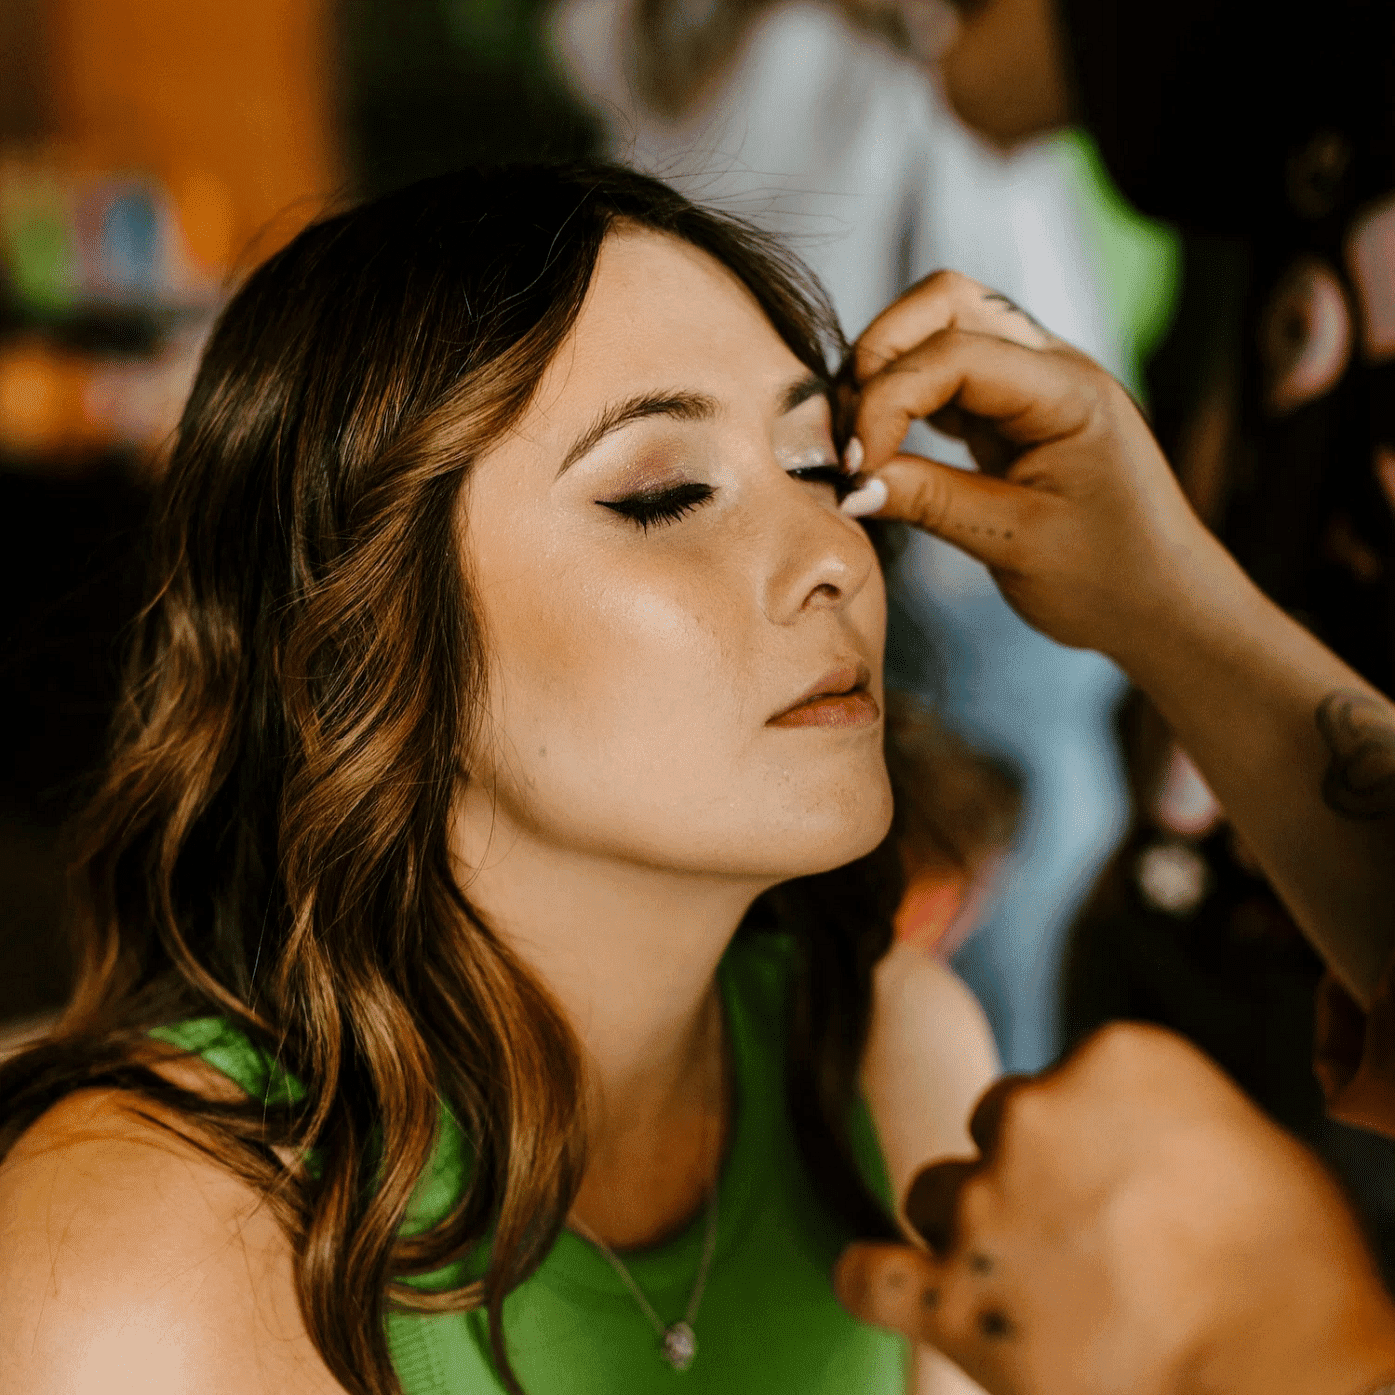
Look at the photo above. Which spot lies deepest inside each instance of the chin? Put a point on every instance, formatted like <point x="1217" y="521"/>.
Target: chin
<point x="836" y="831"/>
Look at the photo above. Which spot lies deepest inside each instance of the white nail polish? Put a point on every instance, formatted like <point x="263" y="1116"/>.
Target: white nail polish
<point x="853" y="456"/>
<point x="866" y="500"/>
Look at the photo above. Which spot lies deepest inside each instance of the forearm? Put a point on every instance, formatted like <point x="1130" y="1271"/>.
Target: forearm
<point x="1267" y="714"/>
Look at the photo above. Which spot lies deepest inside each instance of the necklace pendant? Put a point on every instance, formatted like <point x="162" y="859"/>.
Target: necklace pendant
<point x="679" y="1346"/>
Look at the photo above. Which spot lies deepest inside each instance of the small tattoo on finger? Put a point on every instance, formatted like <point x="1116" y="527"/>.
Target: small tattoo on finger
<point x="994" y="1324"/>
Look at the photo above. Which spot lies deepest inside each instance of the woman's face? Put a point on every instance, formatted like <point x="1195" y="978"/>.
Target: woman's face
<point x="658" y="581"/>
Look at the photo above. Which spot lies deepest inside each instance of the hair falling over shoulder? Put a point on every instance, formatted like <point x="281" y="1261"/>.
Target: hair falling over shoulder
<point x="269" y="840"/>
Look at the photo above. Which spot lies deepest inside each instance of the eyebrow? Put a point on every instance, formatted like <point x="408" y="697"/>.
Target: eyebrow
<point x="678" y="406"/>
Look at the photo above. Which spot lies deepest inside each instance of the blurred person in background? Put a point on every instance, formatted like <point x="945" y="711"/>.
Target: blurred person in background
<point x="145" y="145"/>
<point x="1272" y="145"/>
<point x="150" y="152"/>
<point x="818" y="121"/>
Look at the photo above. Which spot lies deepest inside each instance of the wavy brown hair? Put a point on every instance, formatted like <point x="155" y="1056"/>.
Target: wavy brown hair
<point x="269" y="841"/>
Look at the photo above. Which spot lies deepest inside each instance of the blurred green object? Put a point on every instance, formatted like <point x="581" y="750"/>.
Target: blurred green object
<point x="41" y="264"/>
<point x="1140" y="258"/>
<point x="491" y="29"/>
<point x="433" y="85"/>
<point x="36" y="244"/>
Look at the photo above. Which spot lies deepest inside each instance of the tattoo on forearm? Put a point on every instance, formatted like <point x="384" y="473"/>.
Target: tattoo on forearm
<point x="1358" y="730"/>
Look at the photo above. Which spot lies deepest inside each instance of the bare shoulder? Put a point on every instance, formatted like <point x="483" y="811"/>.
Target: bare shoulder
<point x="131" y="1261"/>
<point x="929" y="1057"/>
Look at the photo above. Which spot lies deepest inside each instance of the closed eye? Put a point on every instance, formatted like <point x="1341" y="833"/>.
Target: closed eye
<point x="658" y="506"/>
<point x="654" y="507"/>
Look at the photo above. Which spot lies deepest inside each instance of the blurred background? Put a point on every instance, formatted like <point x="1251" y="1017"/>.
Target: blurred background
<point x="151" y="151"/>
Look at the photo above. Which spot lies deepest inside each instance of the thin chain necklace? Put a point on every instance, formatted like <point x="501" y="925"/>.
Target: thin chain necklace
<point x="677" y="1340"/>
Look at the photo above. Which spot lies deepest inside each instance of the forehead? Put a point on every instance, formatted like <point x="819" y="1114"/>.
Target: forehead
<point x="661" y="313"/>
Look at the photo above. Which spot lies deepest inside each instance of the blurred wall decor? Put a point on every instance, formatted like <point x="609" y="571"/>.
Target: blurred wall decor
<point x="149" y="150"/>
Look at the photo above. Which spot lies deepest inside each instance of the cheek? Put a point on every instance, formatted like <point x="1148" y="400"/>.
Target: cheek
<point x="599" y="666"/>
<point x="628" y="694"/>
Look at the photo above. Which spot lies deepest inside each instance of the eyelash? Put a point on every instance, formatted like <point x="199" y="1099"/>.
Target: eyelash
<point x="669" y="505"/>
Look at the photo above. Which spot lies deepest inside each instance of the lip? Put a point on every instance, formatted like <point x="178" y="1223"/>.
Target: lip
<point x="841" y="698"/>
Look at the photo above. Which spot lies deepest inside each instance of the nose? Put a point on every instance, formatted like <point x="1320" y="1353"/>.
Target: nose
<point x="818" y="558"/>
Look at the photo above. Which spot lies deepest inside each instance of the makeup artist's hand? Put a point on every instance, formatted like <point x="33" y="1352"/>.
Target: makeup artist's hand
<point x="1074" y="509"/>
<point x="1132" y="1223"/>
<point x="1084" y="528"/>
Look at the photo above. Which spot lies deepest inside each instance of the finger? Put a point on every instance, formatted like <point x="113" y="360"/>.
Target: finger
<point x="943" y="300"/>
<point x="1366" y="1102"/>
<point x="892" y="1286"/>
<point x="1366" y="1096"/>
<point x="986" y="1122"/>
<point x="1029" y="398"/>
<point x="991" y="453"/>
<point x="989" y="519"/>
<point x="1339" y="1035"/>
<point x="1380" y="1015"/>
<point x="932" y="1202"/>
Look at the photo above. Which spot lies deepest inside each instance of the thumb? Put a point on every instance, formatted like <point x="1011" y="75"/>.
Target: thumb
<point x="892" y="1286"/>
<point x="988" y="518"/>
<point x="1355" y="1062"/>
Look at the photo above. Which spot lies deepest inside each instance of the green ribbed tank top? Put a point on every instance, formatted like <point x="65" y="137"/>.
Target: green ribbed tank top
<point x="768" y="1323"/>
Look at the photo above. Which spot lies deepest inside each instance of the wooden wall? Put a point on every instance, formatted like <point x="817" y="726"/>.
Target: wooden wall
<point x="230" y="102"/>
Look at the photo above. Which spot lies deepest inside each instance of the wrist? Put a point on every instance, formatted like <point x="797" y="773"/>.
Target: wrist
<point x="1196" y="596"/>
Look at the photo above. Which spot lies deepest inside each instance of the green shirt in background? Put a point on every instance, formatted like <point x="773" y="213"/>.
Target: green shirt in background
<point x="1139" y="258"/>
<point x="768" y="1323"/>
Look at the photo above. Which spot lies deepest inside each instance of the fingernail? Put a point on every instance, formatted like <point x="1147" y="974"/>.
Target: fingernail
<point x="871" y="497"/>
<point x="853" y="456"/>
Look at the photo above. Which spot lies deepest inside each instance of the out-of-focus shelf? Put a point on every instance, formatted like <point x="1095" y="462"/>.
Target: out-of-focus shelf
<point x="61" y="406"/>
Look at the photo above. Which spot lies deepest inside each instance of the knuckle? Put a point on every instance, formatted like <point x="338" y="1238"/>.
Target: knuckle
<point x="974" y="1209"/>
<point x="959" y="285"/>
<point x="941" y="279"/>
<point x="934" y="1199"/>
<point x="1101" y="397"/>
<point x="1028" y="1116"/>
<point x="950" y="338"/>
<point x="930" y="501"/>
<point x="953" y="1326"/>
<point x="1118" y="1046"/>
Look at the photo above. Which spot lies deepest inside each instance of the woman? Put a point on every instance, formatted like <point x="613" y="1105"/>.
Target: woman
<point x="492" y="871"/>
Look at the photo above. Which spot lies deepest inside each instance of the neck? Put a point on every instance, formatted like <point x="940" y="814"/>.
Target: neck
<point x="630" y="954"/>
